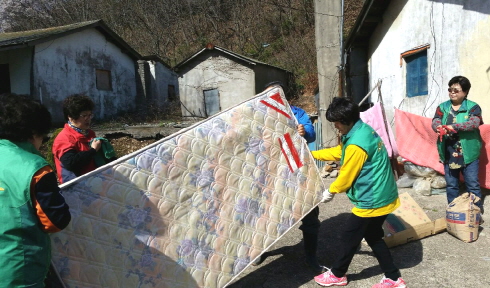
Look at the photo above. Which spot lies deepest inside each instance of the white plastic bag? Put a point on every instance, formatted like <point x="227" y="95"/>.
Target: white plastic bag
<point x="422" y="186"/>
<point x="405" y="181"/>
<point x="438" y="182"/>
<point x="418" y="171"/>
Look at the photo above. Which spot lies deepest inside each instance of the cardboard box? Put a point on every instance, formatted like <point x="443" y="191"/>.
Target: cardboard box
<point x="409" y="222"/>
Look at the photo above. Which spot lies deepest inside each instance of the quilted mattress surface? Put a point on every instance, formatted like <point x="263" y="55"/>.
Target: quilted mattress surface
<point x="193" y="209"/>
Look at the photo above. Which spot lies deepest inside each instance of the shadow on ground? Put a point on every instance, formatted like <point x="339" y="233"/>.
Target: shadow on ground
<point x="285" y="267"/>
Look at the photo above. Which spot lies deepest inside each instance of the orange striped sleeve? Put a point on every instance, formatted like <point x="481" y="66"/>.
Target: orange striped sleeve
<point x="47" y="225"/>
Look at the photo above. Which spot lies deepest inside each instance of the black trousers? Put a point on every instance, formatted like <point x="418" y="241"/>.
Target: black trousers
<point x="52" y="280"/>
<point x="310" y="224"/>
<point x="371" y="230"/>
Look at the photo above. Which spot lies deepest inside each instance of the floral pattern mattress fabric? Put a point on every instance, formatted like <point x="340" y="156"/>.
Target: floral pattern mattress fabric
<point x="193" y="209"/>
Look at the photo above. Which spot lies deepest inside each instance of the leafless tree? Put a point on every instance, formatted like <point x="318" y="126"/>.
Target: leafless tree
<point x="279" y="32"/>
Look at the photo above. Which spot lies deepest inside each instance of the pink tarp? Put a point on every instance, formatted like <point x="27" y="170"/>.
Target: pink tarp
<point x="374" y="118"/>
<point x="416" y="142"/>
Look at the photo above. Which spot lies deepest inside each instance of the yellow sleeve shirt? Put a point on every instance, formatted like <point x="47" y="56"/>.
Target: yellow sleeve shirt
<point x="354" y="159"/>
<point x="329" y="154"/>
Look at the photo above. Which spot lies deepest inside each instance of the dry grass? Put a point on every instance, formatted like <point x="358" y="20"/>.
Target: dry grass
<point x="126" y="144"/>
<point x="306" y="100"/>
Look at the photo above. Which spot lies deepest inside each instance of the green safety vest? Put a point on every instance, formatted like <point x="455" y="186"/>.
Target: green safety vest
<point x="470" y="140"/>
<point x="375" y="186"/>
<point x="25" y="249"/>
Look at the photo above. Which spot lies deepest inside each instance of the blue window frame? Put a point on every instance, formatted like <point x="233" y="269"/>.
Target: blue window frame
<point x="417" y="74"/>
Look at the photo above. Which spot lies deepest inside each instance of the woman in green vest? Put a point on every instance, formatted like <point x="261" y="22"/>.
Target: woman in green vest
<point x="31" y="205"/>
<point x="366" y="176"/>
<point x="457" y="123"/>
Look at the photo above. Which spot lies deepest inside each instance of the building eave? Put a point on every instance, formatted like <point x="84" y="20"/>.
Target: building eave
<point x="370" y="16"/>
<point x="242" y="58"/>
<point x="31" y="38"/>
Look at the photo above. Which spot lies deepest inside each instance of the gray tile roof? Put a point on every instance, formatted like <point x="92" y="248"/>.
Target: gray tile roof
<point x="22" y="37"/>
<point x="226" y="51"/>
<point x="13" y="40"/>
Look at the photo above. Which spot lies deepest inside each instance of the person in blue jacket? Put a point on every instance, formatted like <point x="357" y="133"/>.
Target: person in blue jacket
<point x="310" y="223"/>
<point x="305" y="127"/>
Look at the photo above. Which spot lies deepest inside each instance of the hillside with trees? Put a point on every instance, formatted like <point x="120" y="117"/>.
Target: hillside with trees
<point x="277" y="32"/>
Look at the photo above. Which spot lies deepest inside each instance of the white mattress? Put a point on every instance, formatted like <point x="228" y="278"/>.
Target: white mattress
<point x="193" y="209"/>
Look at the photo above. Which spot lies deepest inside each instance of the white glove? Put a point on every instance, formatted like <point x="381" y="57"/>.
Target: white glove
<point x="327" y="196"/>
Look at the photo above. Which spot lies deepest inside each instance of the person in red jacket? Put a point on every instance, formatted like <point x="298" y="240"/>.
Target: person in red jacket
<point x="73" y="153"/>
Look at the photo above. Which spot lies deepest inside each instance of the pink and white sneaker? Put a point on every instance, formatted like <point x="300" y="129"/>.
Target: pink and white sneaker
<point x="387" y="282"/>
<point x="328" y="279"/>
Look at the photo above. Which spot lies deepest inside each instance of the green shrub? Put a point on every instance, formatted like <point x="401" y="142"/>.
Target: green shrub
<point x="49" y="148"/>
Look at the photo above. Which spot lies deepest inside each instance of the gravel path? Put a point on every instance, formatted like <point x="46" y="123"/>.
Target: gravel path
<point x="437" y="261"/>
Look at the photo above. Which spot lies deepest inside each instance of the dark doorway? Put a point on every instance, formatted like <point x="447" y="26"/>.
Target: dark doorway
<point x="4" y="78"/>
<point x="211" y="100"/>
<point x="171" y="93"/>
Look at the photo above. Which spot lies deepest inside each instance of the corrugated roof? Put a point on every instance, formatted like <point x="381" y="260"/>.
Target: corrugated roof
<point x="13" y="40"/>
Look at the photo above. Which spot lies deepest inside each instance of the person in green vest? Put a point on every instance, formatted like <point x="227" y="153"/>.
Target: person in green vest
<point x="366" y="176"/>
<point x="31" y="205"/>
<point x="457" y="123"/>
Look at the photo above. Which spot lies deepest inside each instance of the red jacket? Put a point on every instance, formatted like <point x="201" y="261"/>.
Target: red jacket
<point x="69" y="139"/>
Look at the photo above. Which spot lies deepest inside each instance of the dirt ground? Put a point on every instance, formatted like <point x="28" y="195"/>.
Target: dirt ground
<point x="132" y="138"/>
<point x="126" y="144"/>
<point x="123" y="145"/>
<point x="440" y="260"/>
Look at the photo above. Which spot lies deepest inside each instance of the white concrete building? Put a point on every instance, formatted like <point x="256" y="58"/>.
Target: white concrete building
<point x="214" y="79"/>
<point x="51" y="64"/>
<point x="161" y="83"/>
<point x="415" y="47"/>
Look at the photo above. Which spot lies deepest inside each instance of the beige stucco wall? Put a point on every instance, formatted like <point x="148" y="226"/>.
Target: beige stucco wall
<point x="474" y="59"/>
<point x="459" y="43"/>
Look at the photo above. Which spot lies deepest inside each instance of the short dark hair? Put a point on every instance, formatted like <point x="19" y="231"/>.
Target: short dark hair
<point x="287" y="91"/>
<point x="75" y="104"/>
<point x="274" y="83"/>
<point x="343" y="110"/>
<point x="462" y="81"/>
<point x="22" y="117"/>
